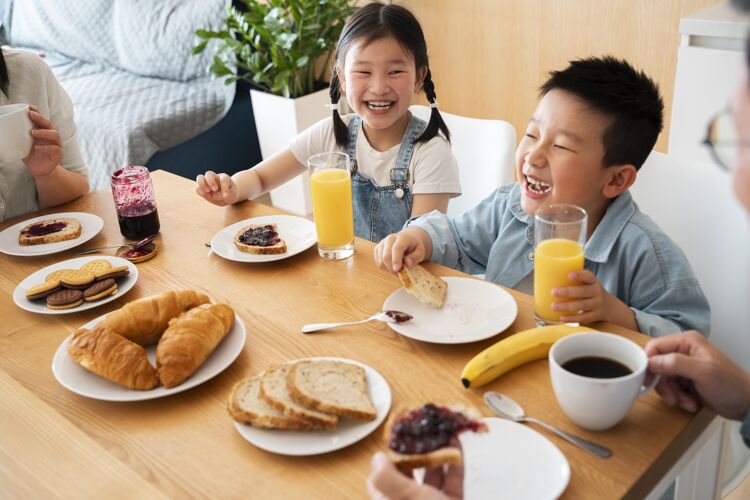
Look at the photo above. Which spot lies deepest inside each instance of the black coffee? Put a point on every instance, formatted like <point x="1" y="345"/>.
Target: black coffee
<point x="596" y="367"/>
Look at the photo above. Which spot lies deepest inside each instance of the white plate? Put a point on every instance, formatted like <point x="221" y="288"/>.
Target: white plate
<point x="349" y="430"/>
<point x="512" y="461"/>
<point x="40" y="306"/>
<point x="298" y="233"/>
<point x="77" y="379"/>
<point x="473" y="310"/>
<point x="90" y="227"/>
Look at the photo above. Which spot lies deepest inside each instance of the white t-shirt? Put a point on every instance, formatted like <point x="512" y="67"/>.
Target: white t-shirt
<point x="432" y="169"/>
<point x="32" y="82"/>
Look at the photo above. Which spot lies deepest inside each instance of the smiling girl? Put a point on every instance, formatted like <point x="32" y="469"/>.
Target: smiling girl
<point x="401" y="166"/>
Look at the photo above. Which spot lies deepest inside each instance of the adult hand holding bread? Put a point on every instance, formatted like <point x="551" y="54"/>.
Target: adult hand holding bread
<point x="386" y="481"/>
<point x="408" y="248"/>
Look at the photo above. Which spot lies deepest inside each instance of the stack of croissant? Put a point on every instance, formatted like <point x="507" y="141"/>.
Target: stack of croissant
<point x="185" y="324"/>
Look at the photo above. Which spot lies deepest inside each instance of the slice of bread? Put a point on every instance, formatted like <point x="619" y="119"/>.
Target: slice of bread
<point x="246" y="406"/>
<point x="331" y="387"/>
<point x="424" y="285"/>
<point x="56" y="230"/>
<point x="447" y="455"/>
<point x="267" y="236"/>
<point x="273" y="390"/>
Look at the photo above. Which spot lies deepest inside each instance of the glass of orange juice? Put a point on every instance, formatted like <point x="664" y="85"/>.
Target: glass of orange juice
<point x="331" y="186"/>
<point x="559" y="237"/>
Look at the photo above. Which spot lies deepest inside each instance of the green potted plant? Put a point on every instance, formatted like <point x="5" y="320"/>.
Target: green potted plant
<point x="283" y="49"/>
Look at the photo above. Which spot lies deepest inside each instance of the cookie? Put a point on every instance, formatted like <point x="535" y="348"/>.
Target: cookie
<point x="42" y="290"/>
<point x="65" y="299"/>
<point x="100" y="289"/>
<point x="55" y="275"/>
<point x="97" y="266"/>
<point x="77" y="279"/>
<point x="114" y="273"/>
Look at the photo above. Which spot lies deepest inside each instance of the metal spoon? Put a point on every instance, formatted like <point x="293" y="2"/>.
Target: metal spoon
<point x="134" y="246"/>
<point x="507" y="408"/>
<point x="385" y="316"/>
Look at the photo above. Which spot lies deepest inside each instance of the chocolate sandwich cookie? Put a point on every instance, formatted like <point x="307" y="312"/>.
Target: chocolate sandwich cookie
<point x="114" y="273"/>
<point x="100" y="289"/>
<point x="65" y="299"/>
<point x="42" y="290"/>
<point x="77" y="279"/>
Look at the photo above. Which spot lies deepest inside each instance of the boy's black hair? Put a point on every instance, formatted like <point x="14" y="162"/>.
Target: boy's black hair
<point x="375" y="21"/>
<point x="614" y="88"/>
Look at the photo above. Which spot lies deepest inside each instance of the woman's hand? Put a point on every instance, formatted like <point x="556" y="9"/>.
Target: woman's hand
<point x="46" y="151"/>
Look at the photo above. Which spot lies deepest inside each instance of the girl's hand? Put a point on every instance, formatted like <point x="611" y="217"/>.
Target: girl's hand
<point x="591" y="302"/>
<point x="404" y="248"/>
<point x="219" y="189"/>
<point x="46" y="151"/>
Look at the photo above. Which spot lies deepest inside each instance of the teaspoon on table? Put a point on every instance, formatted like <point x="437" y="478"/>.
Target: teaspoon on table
<point x="134" y="246"/>
<point x="385" y="316"/>
<point x="505" y="407"/>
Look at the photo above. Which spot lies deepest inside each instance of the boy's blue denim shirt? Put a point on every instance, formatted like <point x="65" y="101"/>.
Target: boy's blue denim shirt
<point x="630" y="256"/>
<point x="745" y="430"/>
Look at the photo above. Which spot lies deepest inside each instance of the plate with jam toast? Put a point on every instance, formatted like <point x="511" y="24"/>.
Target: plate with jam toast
<point x="265" y="239"/>
<point x="75" y="285"/>
<point x="310" y="406"/>
<point x="48" y="234"/>
<point x="150" y="348"/>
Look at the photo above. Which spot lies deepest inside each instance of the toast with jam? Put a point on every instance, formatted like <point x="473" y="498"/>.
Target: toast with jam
<point x="427" y="435"/>
<point x="260" y="239"/>
<point x="49" y="231"/>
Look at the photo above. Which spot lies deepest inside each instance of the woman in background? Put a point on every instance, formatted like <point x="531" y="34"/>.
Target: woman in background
<point x="54" y="171"/>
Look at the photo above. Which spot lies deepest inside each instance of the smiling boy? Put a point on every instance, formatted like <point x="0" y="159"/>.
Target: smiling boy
<point x="593" y="128"/>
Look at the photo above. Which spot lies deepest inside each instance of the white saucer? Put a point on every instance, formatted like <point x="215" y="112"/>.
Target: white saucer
<point x="90" y="226"/>
<point x="473" y="310"/>
<point x="77" y="379"/>
<point x="298" y="233"/>
<point x="40" y="306"/>
<point x="349" y="430"/>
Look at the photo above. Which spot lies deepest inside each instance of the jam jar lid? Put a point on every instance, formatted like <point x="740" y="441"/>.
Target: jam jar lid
<point x="141" y="254"/>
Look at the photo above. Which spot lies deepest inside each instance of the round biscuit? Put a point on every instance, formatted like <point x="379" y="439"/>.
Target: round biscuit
<point x="97" y="266"/>
<point x="109" y="291"/>
<point x="77" y="277"/>
<point x="42" y="287"/>
<point x="66" y="306"/>
<point x="55" y="275"/>
<point x="112" y="270"/>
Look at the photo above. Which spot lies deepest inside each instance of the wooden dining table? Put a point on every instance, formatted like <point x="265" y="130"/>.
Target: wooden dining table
<point x="55" y="443"/>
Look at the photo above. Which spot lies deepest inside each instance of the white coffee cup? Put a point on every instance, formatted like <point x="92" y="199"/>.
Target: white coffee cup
<point x="594" y="403"/>
<point x="15" y="132"/>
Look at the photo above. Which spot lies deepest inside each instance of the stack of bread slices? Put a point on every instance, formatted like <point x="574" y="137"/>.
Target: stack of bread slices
<point x="308" y="394"/>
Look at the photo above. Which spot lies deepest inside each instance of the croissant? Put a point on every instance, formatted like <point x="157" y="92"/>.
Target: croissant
<point x="189" y="340"/>
<point x="113" y="357"/>
<point x="144" y="320"/>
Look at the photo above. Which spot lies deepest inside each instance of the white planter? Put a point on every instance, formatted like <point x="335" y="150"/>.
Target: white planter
<point x="278" y="120"/>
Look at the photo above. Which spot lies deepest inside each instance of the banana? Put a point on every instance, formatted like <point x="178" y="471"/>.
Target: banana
<point x="515" y="350"/>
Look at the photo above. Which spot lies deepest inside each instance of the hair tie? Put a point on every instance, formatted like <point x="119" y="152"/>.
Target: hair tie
<point x="433" y="105"/>
<point x="334" y="107"/>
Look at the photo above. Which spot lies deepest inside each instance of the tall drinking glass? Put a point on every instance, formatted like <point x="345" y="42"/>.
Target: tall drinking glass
<point x="331" y="186"/>
<point x="559" y="237"/>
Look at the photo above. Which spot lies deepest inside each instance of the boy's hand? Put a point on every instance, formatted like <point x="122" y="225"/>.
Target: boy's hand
<point x="46" y="151"/>
<point x="590" y="302"/>
<point x="219" y="189"/>
<point x="406" y="247"/>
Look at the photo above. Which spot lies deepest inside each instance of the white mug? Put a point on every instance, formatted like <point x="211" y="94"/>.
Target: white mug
<point x="15" y="132"/>
<point x="593" y="403"/>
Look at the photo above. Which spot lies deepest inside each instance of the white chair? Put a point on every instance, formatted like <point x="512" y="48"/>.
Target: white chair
<point x="485" y="151"/>
<point x="695" y="205"/>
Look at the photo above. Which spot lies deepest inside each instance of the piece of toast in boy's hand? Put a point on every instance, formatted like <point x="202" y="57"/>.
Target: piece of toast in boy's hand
<point x="424" y="285"/>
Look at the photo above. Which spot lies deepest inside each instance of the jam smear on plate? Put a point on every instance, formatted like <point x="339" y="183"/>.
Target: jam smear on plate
<point x="43" y="229"/>
<point x="429" y="428"/>
<point x="263" y="236"/>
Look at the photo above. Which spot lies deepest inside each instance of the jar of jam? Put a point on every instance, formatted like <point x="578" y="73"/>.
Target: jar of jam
<point x="135" y="202"/>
